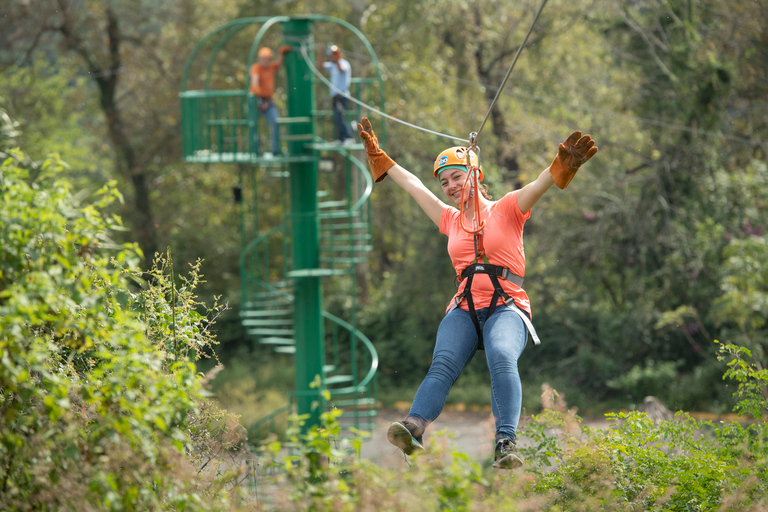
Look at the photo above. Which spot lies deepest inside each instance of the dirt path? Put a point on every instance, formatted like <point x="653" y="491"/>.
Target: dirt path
<point x="471" y="433"/>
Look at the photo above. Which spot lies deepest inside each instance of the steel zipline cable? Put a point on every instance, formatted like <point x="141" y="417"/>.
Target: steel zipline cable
<point x="369" y="107"/>
<point x="475" y="135"/>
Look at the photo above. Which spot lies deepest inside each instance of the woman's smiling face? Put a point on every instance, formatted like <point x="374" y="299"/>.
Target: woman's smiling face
<point x="452" y="180"/>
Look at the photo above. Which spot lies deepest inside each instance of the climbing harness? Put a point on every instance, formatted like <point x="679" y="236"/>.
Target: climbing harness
<point x="494" y="272"/>
<point x="474" y="176"/>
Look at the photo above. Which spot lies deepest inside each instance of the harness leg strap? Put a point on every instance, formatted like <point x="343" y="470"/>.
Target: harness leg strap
<point x="473" y="313"/>
<point x="526" y="321"/>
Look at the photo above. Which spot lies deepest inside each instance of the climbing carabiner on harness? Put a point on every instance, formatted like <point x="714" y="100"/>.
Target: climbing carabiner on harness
<point x="474" y="176"/>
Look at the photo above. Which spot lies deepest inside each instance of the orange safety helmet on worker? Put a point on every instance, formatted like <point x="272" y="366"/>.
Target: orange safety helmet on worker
<point x="456" y="158"/>
<point x="265" y="53"/>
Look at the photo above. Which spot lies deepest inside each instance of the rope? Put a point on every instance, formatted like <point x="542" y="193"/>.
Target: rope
<point x="585" y="108"/>
<point x="369" y="107"/>
<point x="475" y="135"/>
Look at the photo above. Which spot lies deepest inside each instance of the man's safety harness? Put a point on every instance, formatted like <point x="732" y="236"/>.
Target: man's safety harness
<point x="494" y="272"/>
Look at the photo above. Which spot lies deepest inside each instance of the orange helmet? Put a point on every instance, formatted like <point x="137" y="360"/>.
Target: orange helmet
<point x="456" y="158"/>
<point x="265" y="53"/>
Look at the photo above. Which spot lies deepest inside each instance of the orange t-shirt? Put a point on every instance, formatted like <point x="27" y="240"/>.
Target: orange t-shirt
<point x="266" y="87"/>
<point x="503" y="243"/>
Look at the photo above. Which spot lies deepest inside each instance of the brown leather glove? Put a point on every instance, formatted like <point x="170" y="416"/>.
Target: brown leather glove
<point x="284" y="49"/>
<point x="571" y="155"/>
<point x="378" y="161"/>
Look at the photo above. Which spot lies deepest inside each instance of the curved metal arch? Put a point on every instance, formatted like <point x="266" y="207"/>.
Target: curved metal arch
<point x="374" y="60"/>
<point x="209" y="36"/>
<point x="234" y="26"/>
<point x="216" y="49"/>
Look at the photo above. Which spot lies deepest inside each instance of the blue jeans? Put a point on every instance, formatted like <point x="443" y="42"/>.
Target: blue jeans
<point x="343" y="131"/>
<point x="504" y="338"/>
<point x="269" y="110"/>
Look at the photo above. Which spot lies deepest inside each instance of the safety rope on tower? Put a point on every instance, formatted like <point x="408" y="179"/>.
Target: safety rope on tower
<point x="369" y="107"/>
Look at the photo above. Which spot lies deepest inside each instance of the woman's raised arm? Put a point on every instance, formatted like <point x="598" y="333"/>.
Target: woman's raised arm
<point x="428" y="201"/>
<point x="571" y="154"/>
<point x="382" y="166"/>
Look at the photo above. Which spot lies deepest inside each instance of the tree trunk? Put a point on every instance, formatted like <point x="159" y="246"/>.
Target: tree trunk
<point x="106" y="77"/>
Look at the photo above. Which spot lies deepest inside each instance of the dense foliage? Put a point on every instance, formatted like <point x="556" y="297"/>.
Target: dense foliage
<point x="100" y="404"/>
<point x="654" y="250"/>
<point x="680" y="464"/>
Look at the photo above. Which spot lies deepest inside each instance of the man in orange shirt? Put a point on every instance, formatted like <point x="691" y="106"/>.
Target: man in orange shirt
<point x="260" y="98"/>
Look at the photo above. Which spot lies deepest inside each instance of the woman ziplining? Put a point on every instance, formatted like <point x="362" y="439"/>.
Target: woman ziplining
<point x="490" y="310"/>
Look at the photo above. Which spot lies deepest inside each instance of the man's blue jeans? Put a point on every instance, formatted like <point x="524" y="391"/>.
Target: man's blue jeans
<point x="271" y="113"/>
<point x="343" y="130"/>
<point x="504" y="338"/>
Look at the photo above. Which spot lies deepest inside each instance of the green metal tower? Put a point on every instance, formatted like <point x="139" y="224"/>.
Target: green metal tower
<point x="324" y="231"/>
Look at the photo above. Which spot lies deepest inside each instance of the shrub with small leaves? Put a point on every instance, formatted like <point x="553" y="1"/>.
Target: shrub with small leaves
<point x="93" y="418"/>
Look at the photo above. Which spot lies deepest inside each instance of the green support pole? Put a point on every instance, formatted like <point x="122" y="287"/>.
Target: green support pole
<point x="308" y="296"/>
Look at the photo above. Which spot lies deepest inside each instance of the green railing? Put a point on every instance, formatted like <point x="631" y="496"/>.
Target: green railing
<point x="214" y="123"/>
<point x="219" y="127"/>
<point x="347" y="373"/>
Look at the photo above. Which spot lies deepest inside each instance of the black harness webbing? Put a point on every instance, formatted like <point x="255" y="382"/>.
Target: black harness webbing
<point x="494" y="272"/>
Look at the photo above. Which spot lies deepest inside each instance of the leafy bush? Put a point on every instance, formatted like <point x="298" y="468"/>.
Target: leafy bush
<point x="95" y="404"/>
<point x="637" y="464"/>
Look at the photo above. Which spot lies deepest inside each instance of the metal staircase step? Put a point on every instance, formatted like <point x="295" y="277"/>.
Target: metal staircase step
<point x="352" y="401"/>
<point x="261" y="304"/>
<point x="275" y="340"/>
<point x="331" y="204"/>
<point x="301" y="136"/>
<point x="341" y="225"/>
<point x="323" y="193"/>
<point x="282" y="284"/>
<point x="251" y="313"/>
<point x="328" y="368"/>
<point x="256" y="322"/>
<point x="294" y="120"/>
<point x="338" y="379"/>
<point x="271" y="332"/>
<point x="347" y="248"/>
<point x="347" y="238"/>
<point x="275" y="293"/>
<point x="329" y="146"/>
<point x="348" y="422"/>
<point x="286" y="349"/>
<point x="361" y="413"/>
<point x="317" y="272"/>
<point x="344" y="261"/>
<point x="338" y="214"/>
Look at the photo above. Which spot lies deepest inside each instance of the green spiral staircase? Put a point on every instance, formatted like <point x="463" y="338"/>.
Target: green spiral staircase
<point x="322" y="234"/>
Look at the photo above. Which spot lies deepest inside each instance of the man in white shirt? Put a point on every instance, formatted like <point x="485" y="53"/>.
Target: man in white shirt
<point x="341" y="76"/>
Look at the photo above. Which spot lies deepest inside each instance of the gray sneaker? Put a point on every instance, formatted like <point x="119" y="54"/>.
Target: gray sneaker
<point x="400" y="434"/>
<point x="506" y="456"/>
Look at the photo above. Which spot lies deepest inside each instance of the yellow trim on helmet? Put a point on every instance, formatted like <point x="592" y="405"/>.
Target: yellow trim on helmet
<point x="456" y="156"/>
